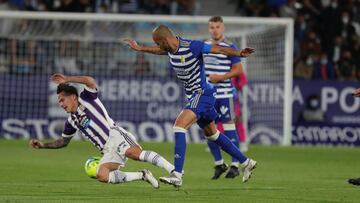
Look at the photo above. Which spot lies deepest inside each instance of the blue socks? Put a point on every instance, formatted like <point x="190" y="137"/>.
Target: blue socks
<point x="215" y="151"/>
<point x="226" y="145"/>
<point x="234" y="138"/>
<point x="180" y="148"/>
<point x="231" y="133"/>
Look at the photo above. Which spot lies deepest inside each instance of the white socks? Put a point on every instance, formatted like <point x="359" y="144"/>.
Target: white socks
<point x="155" y="159"/>
<point x="117" y="176"/>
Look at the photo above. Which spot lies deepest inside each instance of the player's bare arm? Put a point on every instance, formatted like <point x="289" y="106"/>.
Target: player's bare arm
<point x="59" y="143"/>
<point x="86" y="80"/>
<point x="236" y="70"/>
<point x="232" y="52"/>
<point x="149" y="49"/>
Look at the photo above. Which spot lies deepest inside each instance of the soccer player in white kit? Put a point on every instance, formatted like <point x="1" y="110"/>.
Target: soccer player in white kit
<point x="89" y="116"/>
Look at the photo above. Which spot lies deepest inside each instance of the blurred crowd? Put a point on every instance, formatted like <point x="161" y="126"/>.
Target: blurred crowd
<point x="327" y="35"/>
<point x="327" y="32"/>
<point x="173" y="7"/>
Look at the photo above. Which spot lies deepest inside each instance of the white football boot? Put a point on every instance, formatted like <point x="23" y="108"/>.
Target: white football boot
<point x="148" y="177"/>
<point x="172" y="179"/>
<point x="248" y="169"/>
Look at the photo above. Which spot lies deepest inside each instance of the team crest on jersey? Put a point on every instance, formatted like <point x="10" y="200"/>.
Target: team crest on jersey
<point x="84" y="121"/>
<point x="182" y="59"/>
<point x="223" y="109"/>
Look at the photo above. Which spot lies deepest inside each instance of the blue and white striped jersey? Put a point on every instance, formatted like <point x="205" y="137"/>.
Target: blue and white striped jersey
<point x="187" y="61"/>
<point x="221" y="64"/>
<point x="91" y="118"/>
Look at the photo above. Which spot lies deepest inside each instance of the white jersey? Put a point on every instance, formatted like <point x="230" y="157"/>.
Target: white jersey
<point x="221" y="64"/>
<point x="91" y="118"/>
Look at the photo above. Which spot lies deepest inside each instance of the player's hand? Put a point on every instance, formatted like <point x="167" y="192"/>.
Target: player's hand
<point x="36" y="144"/>
<point x="132" y="44"/>
<point x="58" y="78"/>
<point x="214" y="78"/>
<point x="356" y="92"/>
<point x="246" y="52"/>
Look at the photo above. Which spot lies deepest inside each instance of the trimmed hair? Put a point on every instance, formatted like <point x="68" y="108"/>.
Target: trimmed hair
<point x="162" y="31"/>
<point x="67" y="89"/>
<point x="216" y="19"/>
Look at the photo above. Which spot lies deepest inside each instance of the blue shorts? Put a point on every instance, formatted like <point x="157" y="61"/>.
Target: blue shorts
<point x="226" y="109"/>
<point x="202" y="104"/>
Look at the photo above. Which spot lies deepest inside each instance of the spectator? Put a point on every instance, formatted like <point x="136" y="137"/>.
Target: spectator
<point x="337" y="49"/>
<point x="288" y="10"/>
<point x="65" y="62"/>
<point x="141" y="65"/>
<point x="23" y="56"/>
<point x="183" y="7"/>
<point x="346" y="69"/>
<point x="329" y="26"/>
<point x="347" y="30"/>
<point x="304" y="68"/>
<point x="324" y="69"/>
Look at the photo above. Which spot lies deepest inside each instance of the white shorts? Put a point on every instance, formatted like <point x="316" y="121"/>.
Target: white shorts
<point x="118" y="142"/>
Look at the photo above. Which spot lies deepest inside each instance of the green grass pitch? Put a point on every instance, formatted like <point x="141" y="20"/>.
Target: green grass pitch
<point x="284" y="174"/>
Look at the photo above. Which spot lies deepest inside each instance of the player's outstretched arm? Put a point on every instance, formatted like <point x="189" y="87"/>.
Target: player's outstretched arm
<point x="149" y="49"/>
<point x="356" y="92"/>
<point x="232" y="52"/>
<point x="59" y="143"/>
<point x="86" y="80"/>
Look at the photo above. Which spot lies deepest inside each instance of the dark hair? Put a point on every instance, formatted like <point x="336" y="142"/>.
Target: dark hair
<point x="67" y="89"/>
<point x="216" y="19"/>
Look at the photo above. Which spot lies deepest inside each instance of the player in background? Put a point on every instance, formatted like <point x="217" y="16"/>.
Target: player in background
<point x="185" y="56"/>
<point x="239" y="83"/>
<point x="89" y="116"/>
<point x="220" y="69"/>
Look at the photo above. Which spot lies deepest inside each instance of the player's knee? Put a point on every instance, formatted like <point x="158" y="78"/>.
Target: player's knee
<point x="133" y="153"/>
<point x="102" y="173"/>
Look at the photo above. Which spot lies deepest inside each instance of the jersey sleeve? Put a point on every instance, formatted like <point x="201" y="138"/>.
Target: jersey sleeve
<point x="198" y="47"/>
<point x="69" y="129"/>
<point x="234" y="59"/>
<point x="89" y="94"/>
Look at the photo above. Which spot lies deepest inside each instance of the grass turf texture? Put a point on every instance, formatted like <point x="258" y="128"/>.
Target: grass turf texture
<point x="284" y="174"/>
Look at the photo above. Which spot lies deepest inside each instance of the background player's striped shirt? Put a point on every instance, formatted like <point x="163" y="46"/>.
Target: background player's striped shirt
<point x="188" y="64"/>
<point x="221" y="64"/>
<point x="91" y="118"/>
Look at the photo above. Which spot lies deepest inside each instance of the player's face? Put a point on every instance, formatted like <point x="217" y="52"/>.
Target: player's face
<point x="162" y="43"/>
<point x="216" y="30"/>
<point x="67" y="102"/>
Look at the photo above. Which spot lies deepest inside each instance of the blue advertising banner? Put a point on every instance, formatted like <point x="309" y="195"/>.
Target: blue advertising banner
<point x="147" y="107"/>
<point x="325" y="113"/>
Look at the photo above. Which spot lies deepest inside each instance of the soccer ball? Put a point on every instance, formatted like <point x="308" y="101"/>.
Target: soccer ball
<point x="91" y="166"/>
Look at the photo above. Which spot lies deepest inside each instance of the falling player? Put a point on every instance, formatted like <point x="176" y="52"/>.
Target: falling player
<point x="89" y="116"/>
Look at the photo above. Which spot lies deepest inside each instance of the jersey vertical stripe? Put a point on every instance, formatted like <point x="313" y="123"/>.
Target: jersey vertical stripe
<point x="219" y="64"/>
